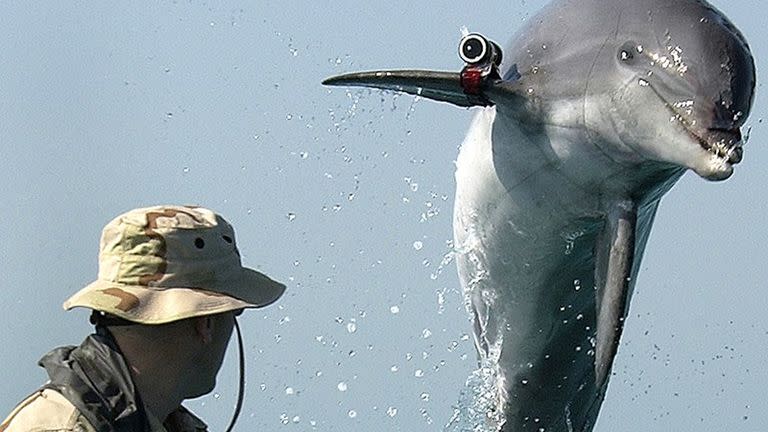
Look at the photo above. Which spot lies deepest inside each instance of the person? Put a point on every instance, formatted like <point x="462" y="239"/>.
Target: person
<point x="169" y="287"/>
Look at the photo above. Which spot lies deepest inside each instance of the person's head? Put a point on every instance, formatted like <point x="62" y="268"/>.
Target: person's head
<point x="170" y="285"/>
<point x="188" y="352"/>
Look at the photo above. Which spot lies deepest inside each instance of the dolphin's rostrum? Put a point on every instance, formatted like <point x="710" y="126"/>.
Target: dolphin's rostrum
<point x="596" y="110"/>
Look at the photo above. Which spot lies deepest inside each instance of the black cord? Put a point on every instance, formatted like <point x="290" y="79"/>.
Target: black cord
<point x="241" y="390"/>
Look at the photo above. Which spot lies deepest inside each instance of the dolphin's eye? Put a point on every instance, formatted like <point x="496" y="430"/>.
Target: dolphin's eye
<point x="628" y="52"/>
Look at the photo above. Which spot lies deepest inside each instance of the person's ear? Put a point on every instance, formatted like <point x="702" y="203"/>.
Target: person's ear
<point x="204" y="328"/>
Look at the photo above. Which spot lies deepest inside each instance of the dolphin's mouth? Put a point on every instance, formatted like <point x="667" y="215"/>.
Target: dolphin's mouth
<point x="725" y="144"/>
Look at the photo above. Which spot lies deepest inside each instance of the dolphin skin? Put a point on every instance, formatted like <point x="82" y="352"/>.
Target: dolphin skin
<point x="596" y="110"/>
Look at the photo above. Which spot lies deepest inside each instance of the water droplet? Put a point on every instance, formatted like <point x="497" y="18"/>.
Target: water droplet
<point x="342" y="386"/>
<point x="289" y="116"/>
<point x="352" y="413"/>
<point x="418" y="245"/>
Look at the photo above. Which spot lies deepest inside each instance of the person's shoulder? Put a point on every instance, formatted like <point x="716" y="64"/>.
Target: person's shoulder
<point x="45" y="410"/>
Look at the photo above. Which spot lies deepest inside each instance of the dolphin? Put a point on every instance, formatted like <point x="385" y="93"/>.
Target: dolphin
<point x="593" y="113"/>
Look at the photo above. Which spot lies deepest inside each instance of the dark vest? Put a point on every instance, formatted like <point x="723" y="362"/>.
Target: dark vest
<point x="95" y="378"/>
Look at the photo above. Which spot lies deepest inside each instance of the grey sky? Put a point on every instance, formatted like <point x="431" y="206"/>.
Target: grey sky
<point x="345" y="196"/>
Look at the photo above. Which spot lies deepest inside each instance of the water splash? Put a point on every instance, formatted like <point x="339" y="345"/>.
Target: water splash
<point x="445" y="261"/>
<point x="478" y="407"/>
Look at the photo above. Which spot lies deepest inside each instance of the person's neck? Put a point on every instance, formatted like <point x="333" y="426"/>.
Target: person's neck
<point x="156" y="377"/>
<point x="158" y="393"/>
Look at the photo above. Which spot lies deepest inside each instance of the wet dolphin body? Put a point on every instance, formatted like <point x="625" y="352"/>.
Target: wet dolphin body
<point x="599" y="107"/>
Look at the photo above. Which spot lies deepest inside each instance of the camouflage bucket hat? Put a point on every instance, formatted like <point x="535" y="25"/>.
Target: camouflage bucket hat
<point x="167" y="263"/>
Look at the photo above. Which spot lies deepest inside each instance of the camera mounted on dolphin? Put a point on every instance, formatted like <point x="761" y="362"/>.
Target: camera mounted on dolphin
<point x="483" y="58"/>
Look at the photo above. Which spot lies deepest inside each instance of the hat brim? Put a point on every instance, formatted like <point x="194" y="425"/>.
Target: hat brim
<point x="159" y="305"/>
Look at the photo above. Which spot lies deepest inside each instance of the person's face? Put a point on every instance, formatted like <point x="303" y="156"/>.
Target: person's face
<point x="215" y="332"/>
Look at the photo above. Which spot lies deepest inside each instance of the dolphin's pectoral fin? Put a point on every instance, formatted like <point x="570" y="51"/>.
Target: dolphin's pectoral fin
<point x="439" y="86"/>
<point x="614" y="262"/>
